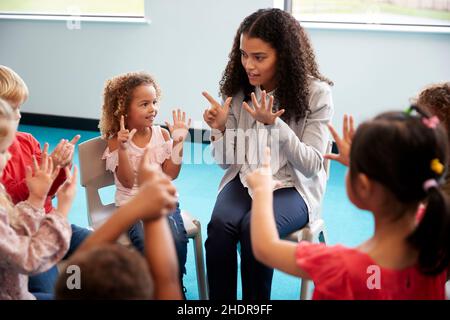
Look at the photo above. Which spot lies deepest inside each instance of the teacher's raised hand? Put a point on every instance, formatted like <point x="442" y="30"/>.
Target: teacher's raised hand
<point x="263" y="112"/>
<point x="216" y="116"/>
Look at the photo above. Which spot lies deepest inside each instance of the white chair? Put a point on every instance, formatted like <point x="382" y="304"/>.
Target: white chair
<point x="313" y="231"/>
<point x="94" y="176"/>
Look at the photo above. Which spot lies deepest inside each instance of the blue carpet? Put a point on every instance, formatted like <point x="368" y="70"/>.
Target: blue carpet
<point x="197" y="185"/>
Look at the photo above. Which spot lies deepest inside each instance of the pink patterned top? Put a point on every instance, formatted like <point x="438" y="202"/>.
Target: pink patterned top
<point x="160" y="150"/>
<point x="36" y="242"/>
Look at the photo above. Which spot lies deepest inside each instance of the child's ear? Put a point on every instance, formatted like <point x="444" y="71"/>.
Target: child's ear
<point x="359" y="191"/>
<point x="365" y="186"/>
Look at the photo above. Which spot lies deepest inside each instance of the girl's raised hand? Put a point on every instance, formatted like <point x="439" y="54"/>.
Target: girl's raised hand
<point x="216" y="116"/>
<point x="124" y="135"/>
<point x="344" y="144"/>
<point x="262" y="112"/>
<point x="40" y="178"/>
<point x="180" y="128"/>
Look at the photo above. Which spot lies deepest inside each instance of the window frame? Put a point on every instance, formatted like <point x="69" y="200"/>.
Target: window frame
<point x="371" y="26"/>
<point x="78" y="18"/>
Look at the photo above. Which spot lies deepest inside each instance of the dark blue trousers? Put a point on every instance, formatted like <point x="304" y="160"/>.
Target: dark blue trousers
<point x="230" y="225"/>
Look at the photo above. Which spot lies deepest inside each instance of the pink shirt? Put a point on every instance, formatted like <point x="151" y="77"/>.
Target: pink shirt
<point x="347" y="274"/>
<point x="160" y="150"/>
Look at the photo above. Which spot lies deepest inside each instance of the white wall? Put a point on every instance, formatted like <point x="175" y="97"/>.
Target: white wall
<point x="376" y="71"/>
<point x="186" y="48"/>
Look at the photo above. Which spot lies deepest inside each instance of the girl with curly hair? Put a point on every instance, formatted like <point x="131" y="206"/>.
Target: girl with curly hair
<point x="435" y="98"/>
<point x="131" y="103"/>
<point x="273" y="94"/>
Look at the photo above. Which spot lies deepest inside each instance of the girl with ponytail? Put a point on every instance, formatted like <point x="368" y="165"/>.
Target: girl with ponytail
<point x="397" y="162"/>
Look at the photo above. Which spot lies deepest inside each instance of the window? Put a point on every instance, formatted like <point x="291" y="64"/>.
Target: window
<point x="382" y="12"/>
<point x="63" y="9"/>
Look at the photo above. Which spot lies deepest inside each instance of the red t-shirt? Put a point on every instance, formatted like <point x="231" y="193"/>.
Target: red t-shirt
<point x="22" y="150"/>
<point x="341" y="273"/>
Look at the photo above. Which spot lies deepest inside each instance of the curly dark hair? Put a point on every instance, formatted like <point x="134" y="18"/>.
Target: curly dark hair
<point x="117" y="97"/>
<point x="436" y="99"/>
<point x="108" y="272"/>
<point x="295" y="60"/>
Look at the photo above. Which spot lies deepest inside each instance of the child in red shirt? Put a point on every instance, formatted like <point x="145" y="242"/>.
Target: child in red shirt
<point x="14" y="90"/>
<point x="396" y="162"/>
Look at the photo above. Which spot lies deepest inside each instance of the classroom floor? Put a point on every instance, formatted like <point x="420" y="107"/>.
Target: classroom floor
<point x="197" y="186"/>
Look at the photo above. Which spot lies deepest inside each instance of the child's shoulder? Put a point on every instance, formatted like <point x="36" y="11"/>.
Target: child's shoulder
<point x="25" y="137"/>
<point x="164" y="132"/>
<point x="113" y="144"/>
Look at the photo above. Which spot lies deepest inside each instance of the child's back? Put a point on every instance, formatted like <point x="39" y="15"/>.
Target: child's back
<point x="342" y="273"/>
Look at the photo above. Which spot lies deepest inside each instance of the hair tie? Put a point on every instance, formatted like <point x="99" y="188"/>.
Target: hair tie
<point x="437" y="166"/>
<point x="430" y="183"/>
<point x="432" y="122"/>
<point x="409" y="110"/>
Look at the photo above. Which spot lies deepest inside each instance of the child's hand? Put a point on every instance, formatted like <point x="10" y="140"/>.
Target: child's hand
<point x="262" y="112"/>
<point x="216" y="116"/>
<point x="343" y="144"/>
<point x="40" y="178"/>
<point x="180" y="129"/>
<point x="63" y="154"/>
<point x="66" y="193"/>
<point x="157" y="195"/>
<point x="147" y="171"/>
<point x="124" y="135"/>
<point x="262" y="178"/>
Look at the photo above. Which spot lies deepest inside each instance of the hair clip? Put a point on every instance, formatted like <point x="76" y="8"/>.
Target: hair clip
<point x="431" y="122"/>
<point x="430" y="183"/>
<point x="437" y="166"/>
<point x="409" y="110"/>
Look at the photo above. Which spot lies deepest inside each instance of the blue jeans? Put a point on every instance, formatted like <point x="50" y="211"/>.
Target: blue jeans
<point x="136" y="235"/>
<point x="42" y="284"/>
<point x="230" y="225"/>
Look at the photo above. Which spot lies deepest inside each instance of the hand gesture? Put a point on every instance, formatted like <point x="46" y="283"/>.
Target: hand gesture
<point x="262" y="178"/>
<point x="124" y="135"/>
<point x="157" y="195"/>
<point x="179" y="129"/>
<point x="62" y="155"/>
<point x="216" y="116"/>
<point x="66" y="192"/>
<point x="262" y="112"/>
<point x="344" y="143"/>
<point x="40" y="178"/>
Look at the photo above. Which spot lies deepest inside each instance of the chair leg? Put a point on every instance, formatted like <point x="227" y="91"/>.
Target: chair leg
<point x="304" y="289"/>
<point x="200" y="264"/>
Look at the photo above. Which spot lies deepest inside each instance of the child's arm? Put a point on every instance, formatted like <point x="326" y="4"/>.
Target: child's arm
<point x="267" y="246"/>
<point x="179" y="131"/>
<point x="35" y="241"/>
<point x="162" y="259"/>
<point x="156" y="197"/>
<point x="124" y="170"/>
<point x="33" y="252"/>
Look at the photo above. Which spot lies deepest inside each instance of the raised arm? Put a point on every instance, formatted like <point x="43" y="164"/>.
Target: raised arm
<point x="162" y="259"/>
<point x="267" y="246"/>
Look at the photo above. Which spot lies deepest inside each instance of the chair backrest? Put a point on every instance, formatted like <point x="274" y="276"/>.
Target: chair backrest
<point x="93" y="177"/>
